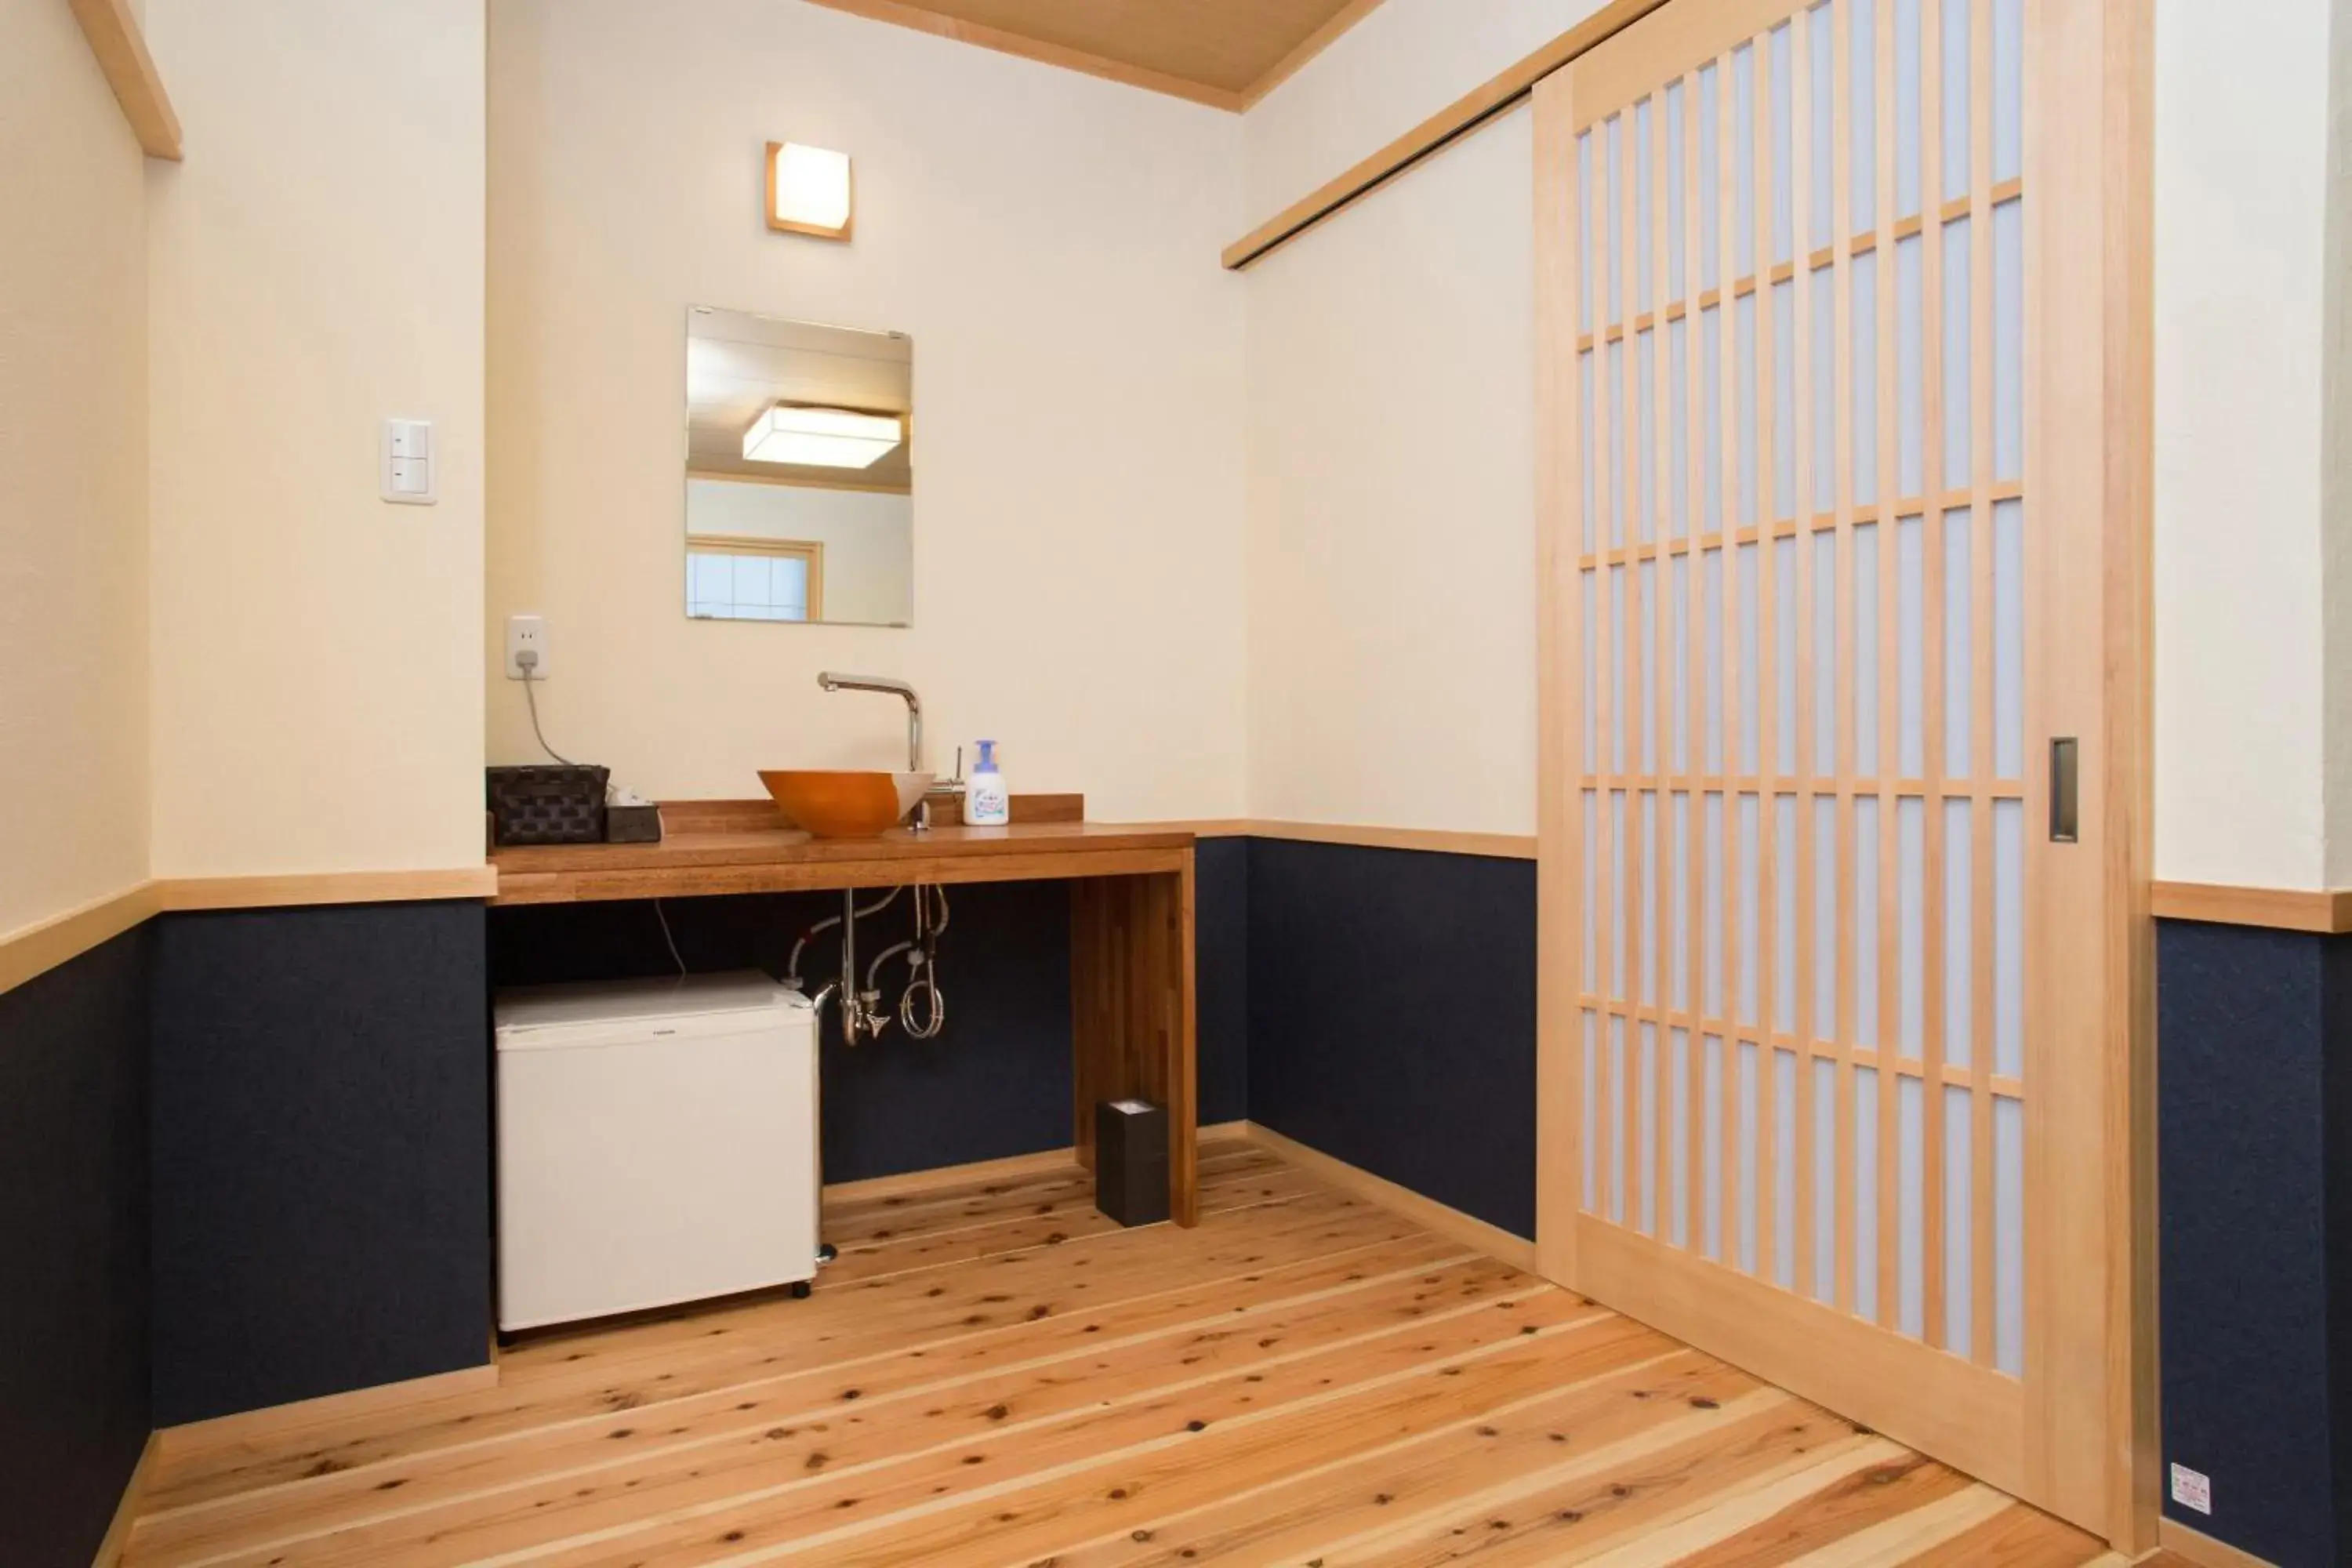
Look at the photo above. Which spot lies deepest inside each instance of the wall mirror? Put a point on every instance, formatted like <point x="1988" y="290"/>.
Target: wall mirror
<point x="800" y="479"/>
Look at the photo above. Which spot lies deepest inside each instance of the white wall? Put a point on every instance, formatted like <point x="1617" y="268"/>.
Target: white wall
<point x="1048" y="239"/>
<point x="2240" y="196"/>
<point x="73" y="458"/>
<point x="1392" y="644"/>
<point x="316" y="265"/>
<point x="1392" y="596"/>
<point x="868" y="538"/>
<point x="1401" y="314"/>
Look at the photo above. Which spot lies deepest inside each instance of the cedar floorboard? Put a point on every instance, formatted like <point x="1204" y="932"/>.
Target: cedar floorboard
<point x="993" y="1376"/>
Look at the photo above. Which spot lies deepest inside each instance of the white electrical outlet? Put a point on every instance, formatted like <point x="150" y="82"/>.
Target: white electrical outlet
<point x="2192" y="1489"/>
<point x="527" y="644"/>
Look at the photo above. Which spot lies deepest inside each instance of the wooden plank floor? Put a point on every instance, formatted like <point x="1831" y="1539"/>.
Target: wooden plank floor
<point x="993" y="1376"/>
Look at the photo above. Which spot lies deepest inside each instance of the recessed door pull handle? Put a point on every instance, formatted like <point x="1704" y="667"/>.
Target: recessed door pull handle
<point x="2066" y="789"/>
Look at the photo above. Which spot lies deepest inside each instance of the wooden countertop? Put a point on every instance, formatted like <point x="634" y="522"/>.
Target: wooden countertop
<point x="714" y="847"/>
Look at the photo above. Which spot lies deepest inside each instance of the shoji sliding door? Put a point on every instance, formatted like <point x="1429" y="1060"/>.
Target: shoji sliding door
<point x="1837" y="983"/>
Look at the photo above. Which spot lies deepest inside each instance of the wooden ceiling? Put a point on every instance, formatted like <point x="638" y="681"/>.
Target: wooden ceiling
<point x="1225" y="53"/>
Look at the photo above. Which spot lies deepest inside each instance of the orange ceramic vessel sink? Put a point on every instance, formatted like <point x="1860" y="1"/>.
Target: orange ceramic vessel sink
<point x="844" y="804"/>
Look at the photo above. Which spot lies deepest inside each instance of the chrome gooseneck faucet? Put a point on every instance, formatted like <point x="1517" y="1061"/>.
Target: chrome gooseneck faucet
<point x="831" y="681"/>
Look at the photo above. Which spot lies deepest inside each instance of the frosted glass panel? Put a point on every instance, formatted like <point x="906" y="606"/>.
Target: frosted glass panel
<point x="1911" y="934"/>
<point x="1960" y="1219"/>
<point x="1645" y="224"/>
<point x="2009" y="938"/>
<point x="1959" y="666"/>
<point x="2008" y="89"/>
<point x="1910" y="327"/>
<point x="1825" y="907"/>
<point x="2008" y="341"/>
<point x="1710" y="374"/>
<point x="1648" y="1116"/>
<point x="1784" y="1169"/>
<point x="1678" y="1142"/>
<point x="1861" y="109"/>
<point x="1584" y="446"/>
<point x="1865" y="649"/>
<point x="1910" y="1312"/>
<point x="1865" y="958"/>
<point x="1678" y="396"/>
<point x="1743" y="160"/>
<point x="1749" y="963"/>
<point x="1956" y="136"/>
<point x="1645" y="429"/>
<point x="1784" y="400"/>
<point x="1588" y="979"/>
<point x="1825" y="662"/>
<point x="1960" y="908"/>
<point x="1784" y="914"/>
<point x="1958" y="411"/>
<point x="1821" y="41"/>
<point x="1677" y="216"/>
<point x="1647" y="717"/>
<point x="1907" y="98"/>
<point x="1617" y="892"/>
<point x="1584" y="233"/>
<point x="2008" y="1236"/>
<point x="1824" y="379"/>
<point x="1745" y="1155"/>
<point x="1710" y="616"/>
<point x="1865" y="1193"/>
<point x="1824" y="1155"/>
<point x="1678" y="902"/>
<point x="1786" y="634"/>
<point x="1613" y="396"/>
<point x="1783" y="165"/>
<point x="1615" y="1110"/>
<point x="1710" y="165"/>
<point x="1743" y="326"/>
<point x="1748" y="650"/>
<point x="1592" y="1102"/>
<point x="1612" y="221"/>
<point x="2009" y="639"/>
<point x="1678" y="663"/>
<point x="1711" y="1148"/>
<point x="1616" y="634"/>
<point x="1711" y="912"/>
<point x="1649" y="896"/>
<point x="1910" y="648"/>
<point x="1862" y="376"/>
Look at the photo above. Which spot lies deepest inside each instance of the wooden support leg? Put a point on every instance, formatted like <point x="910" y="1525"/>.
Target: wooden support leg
<point x="1132" y="1014"/>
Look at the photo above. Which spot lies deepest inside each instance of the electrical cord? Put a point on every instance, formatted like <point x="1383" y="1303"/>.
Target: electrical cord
<point x="668" y="939"/>
<point x="528" y="696"/>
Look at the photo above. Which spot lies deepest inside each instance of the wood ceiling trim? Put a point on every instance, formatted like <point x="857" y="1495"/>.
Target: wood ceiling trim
<point x="901" y="15"/>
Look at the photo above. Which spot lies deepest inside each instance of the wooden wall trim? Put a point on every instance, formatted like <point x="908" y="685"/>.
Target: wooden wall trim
<point x="1458" y="119"/>
<point x="2201" y="1550"/>
<point x="122" y="51"/>
<point x="42" y="946"/>
<point x="188" y="893"/>
<point x="2323" y="913"/>
<point x="247" y="1426"/>
<point x="898" y="13"/>
<point x="1450" y="1223"/>
<point x="1436" y="840"/>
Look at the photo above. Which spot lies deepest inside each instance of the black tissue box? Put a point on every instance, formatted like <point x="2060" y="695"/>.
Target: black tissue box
<point x="1131" y="1161"/>
<point x="633" y="825"/>
<point x="544" y="805"/>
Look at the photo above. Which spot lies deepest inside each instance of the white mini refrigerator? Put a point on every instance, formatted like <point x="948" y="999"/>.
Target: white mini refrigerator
<point x="657" y="1143"/>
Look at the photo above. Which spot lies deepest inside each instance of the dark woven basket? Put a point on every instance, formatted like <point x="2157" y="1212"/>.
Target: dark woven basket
<point x="548" y="805"/>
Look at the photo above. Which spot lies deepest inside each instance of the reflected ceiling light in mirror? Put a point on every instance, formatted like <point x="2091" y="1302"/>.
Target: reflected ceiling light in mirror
<point x="808" y="190"/>
<point x="821" y="438"/>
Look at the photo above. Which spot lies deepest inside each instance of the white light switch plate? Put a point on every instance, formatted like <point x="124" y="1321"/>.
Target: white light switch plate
<point x="407" y="471"/>
<point x="2192" y="1489"/>
<point x="526" y="632"/>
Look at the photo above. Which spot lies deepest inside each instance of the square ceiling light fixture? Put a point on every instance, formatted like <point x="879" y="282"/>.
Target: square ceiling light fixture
<point x="821" y="438"/>
<point x="808" y="190"/>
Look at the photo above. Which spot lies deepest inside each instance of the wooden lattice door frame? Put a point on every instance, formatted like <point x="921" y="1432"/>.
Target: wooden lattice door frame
<point x="2065" y="1416"/>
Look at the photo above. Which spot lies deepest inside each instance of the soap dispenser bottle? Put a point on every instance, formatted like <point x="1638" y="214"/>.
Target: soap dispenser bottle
<point x="985" y="802"/>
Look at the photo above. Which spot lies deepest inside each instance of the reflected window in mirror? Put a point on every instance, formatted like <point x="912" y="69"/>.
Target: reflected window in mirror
<point x="798" y="471"/>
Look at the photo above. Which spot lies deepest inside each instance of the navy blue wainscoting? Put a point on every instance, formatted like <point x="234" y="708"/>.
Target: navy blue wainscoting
<point x="996" y="1083"/>
<point x="2255" y="1192"/>
<point x="1392" y="1016"/>
<point x="1221" y="979"/>
<point x="74" y="1289"/>
<point x="322" y="1195"/>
